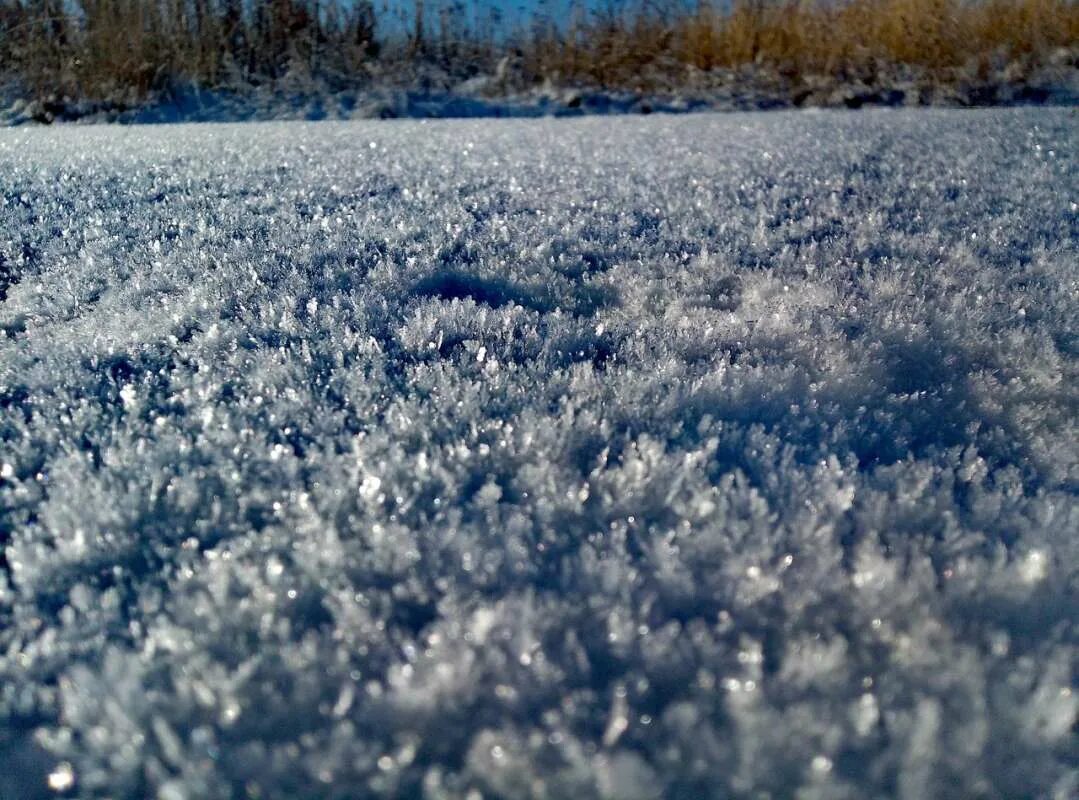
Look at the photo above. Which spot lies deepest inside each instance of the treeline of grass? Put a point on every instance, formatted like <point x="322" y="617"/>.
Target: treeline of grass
<point x="124" y="50"/>
<point x="804" y="37"/>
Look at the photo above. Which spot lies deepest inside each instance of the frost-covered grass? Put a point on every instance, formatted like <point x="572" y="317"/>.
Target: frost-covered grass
<point x="696" y="457"/>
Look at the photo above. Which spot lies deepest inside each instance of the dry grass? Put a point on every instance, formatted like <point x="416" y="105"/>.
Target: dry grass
<point x="807" y="37"/>
<point x="125" y="49"/>
<point x="122" y="50"/>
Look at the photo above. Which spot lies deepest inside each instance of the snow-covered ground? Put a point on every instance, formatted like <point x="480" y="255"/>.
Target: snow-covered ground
<point x="696" y="457"/>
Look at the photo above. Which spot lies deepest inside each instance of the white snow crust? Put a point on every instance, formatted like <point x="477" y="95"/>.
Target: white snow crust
<point x="700" y="457"/>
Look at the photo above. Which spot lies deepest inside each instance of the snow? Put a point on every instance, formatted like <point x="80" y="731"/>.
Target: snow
<point x="708" y="456"/>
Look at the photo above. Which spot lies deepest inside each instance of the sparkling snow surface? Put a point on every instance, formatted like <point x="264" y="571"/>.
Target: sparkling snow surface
<point x="698" y="457"/>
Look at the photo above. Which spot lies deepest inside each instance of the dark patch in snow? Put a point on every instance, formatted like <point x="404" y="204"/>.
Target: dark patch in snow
<point x="447" y="285"/>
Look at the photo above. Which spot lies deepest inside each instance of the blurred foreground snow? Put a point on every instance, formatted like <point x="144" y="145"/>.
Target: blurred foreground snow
<point x="695" y="457"/>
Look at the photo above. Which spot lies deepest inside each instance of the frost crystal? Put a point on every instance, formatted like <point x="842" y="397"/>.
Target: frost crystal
<point x="596" y="459"/>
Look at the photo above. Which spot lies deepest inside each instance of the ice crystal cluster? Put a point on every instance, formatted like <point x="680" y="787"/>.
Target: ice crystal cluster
<point x="702" y="457"/>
